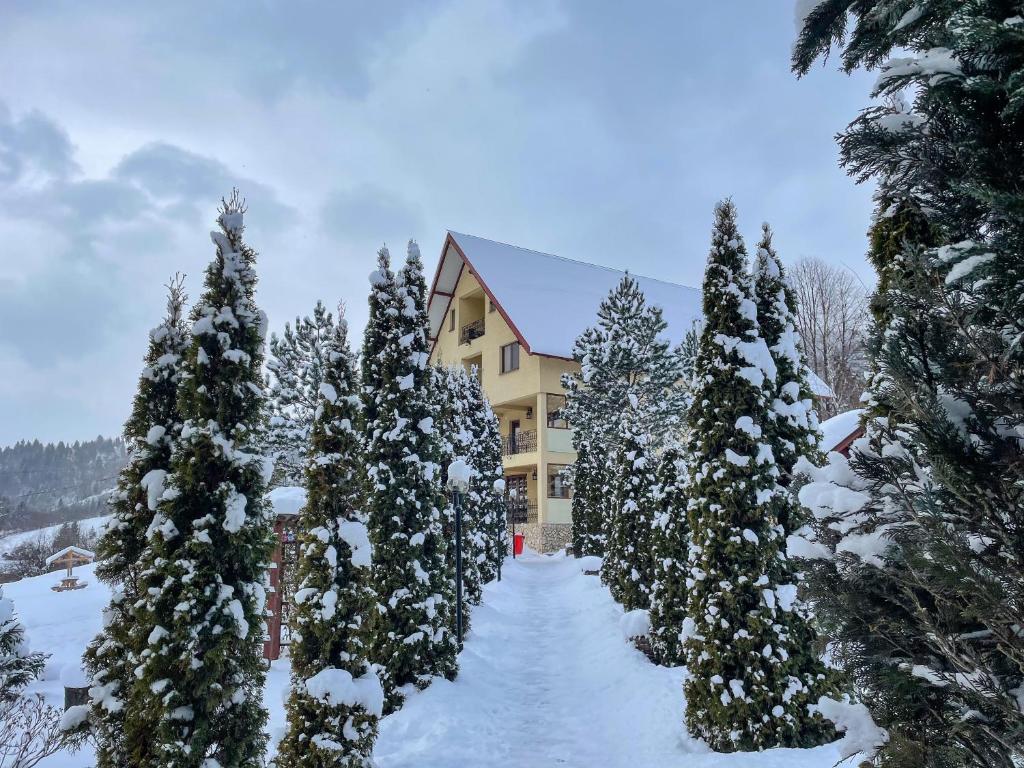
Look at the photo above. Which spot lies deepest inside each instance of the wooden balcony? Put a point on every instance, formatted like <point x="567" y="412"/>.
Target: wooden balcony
<point x="523" y="441"/>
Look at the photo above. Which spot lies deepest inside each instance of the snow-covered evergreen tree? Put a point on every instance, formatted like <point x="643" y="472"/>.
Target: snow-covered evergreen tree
<point x="792" y="427"/>
<point x="455" y="412"/>
<point x="149" y="434"/>
<point x="625" y="364"/>
<point x="296" y="363"/>
<point x="18" y="665"/>
<point x="751" y="675"/>
<point x="489" y="485"/>
<point x="201" y="677"/>
<point x="929" y="505"/>
<point x="335" y="698"/>
<point x="404" y="497"/>
<point x="628" y="567"/>
<point x="670" y="542"/>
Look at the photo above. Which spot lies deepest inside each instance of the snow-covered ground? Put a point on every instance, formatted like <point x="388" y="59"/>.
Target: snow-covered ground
<point x="9" y="542"/>
<point x="546" y="679"/>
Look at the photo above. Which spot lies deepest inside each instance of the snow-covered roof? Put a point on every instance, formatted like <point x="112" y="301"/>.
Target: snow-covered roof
<point x="287" y="500"/>
<point x="549" y="300"/>
<point x="835" y="430"/>
<point x="83" y="553"/>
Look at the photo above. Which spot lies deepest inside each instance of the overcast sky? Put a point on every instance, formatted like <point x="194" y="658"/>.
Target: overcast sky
<point x="601" y="131"/>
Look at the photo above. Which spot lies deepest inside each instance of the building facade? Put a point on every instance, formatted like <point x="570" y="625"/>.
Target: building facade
<point x="513" y="315"/>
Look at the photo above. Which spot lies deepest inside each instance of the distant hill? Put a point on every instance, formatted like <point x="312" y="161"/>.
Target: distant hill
<point x="48" y="483"/>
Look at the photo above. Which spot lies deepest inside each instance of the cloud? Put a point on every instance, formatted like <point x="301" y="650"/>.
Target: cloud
<point x="371" y="214"/>
<point x="33" y="144"/>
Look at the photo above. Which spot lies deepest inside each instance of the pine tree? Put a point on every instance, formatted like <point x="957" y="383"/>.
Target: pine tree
<point x="202" y="673"/>
<point x="625" y="364"/>
<point x="18" y="666"/>
<point x="488" y="488"/>
<point x="628" y="567"/>
<point x="929" y="504"/>
<point x="669" y="545"/>
<point x="412" y="638"/>
<point x="152" y="427"/>
<point x="296" y="363"/>
<point x="335" y="698"/>
<point x="792" y="427"/>
<point x="751" y="678"/>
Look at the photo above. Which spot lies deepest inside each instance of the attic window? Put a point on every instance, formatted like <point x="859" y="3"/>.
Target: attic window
<point x="491" y="306"/>
<point x="510" y="357"/>
<point x="451" y="320"/>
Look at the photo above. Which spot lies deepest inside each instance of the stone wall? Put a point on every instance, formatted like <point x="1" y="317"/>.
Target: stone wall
<point x="546" y="537"/>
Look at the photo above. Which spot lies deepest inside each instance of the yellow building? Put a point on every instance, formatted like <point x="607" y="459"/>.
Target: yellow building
<point x="515" y="314"/>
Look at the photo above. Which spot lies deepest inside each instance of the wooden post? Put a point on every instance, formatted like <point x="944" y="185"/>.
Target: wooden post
<point x="272" y="641"/>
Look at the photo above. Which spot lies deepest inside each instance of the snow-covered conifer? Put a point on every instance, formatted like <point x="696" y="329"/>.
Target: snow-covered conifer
<point x="404" y="497"/>
<point x="296" y="363"/>
<point x="204" y="567"/>
<point x="112" y="657"/>
<point x="335" y="698"/>
<point x="628" y="567"/>
<point x="625" y="364"/>
<point x="669" y="546"/>
<point x="750" y="678"/>
<point x="489" y="486"/>
<point x="792" y="427"/>
<point x="18" y="665"/>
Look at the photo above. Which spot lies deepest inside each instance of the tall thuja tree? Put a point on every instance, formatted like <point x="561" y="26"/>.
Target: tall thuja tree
<point x="628" y="567"/>
<point x="751" y="678"/>
<point x="404" y="499"/>
<point x="455" y="411"/>
<point x="335" y="698"/>
<point x="792" y="426"/>
<point x="938" y="473"/>
<point x="296" y="364"/>
<point x="669" y="546"/>
<point x="149" y="434"/>
<point x="201" y="679"/>
<point x="489" y="482"/>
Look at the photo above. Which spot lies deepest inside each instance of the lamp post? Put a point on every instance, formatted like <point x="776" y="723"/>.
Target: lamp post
<point x="512" y="494"/>
<point x="459" y="473"/>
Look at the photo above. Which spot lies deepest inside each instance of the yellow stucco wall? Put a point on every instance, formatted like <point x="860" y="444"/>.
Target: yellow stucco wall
<point x="511" y="393"/>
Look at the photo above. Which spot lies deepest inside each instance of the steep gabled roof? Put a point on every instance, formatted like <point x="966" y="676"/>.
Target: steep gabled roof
<point x="549" y="300"/>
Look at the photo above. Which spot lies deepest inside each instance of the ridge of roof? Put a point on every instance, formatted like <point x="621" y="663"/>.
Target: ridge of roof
<point x="454" y="233"/>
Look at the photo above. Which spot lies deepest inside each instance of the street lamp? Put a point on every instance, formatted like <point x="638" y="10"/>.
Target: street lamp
<point x="459" y="474"/>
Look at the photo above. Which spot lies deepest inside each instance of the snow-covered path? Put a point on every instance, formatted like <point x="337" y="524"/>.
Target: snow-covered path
<point x="546" y="679"/>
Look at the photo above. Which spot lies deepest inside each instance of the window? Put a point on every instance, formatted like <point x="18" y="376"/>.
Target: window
<point x="510" y="357"/>
<point x="556" y="409"/>
<point x="558" y="488"/>
<point x="491" y="307"/>
<point x="451" y="320"/>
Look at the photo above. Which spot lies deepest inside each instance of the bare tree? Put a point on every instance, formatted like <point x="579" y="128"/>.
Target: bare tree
<point x="30" y="731"/>
<point x="832" y="312"/>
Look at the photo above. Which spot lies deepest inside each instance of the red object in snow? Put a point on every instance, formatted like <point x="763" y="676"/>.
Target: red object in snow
<point x="517" y="544"/>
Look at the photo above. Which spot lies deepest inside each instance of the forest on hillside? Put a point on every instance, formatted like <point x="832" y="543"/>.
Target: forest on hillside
<point x="46" y="483"/>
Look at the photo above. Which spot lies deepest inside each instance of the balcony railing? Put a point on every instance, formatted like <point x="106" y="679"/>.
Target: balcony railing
<point x="523" y="441"/>
<point x="471" y="331"/>
<point x="520" y="512"/>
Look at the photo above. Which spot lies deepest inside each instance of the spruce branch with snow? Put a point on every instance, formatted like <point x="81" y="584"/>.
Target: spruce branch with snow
<point x="925" y="515"/>
<point x="412" y="639"/>
<point x="113" y="656"/>
<point x="751" y="673"/>
<point x="335" y="698"/>
<point x="211" y="540"/>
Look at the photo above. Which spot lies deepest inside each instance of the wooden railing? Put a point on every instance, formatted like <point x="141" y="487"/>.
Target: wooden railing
<point x="471" y="331"/>
<point x="523" y="441"/>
